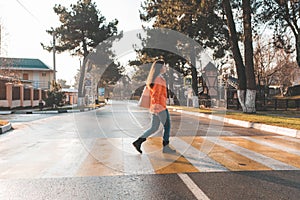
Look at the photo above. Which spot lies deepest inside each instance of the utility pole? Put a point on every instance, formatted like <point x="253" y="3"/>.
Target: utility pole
<point x="54" y="64"/>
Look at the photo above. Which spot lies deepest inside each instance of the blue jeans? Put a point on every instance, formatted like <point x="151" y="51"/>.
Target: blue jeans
<point x="162" y="117"/>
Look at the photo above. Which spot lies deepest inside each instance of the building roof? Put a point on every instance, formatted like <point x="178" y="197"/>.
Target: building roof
<point x="23" y="63"/>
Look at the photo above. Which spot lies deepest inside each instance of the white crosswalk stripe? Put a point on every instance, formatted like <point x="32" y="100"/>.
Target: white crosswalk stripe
<point x="276" y="146"/>
<point x="199" y="160"/>
<point x="292" y="139"/>
<point x="267" y="161"/>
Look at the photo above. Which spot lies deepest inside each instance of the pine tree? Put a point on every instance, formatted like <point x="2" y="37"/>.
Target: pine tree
<point x="82" y="29"/>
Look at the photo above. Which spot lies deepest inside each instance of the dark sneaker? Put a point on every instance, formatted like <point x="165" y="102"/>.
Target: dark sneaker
<point x="137" y="146"/>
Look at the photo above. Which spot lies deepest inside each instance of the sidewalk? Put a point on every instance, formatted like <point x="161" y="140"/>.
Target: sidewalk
<point x="8" y="126"/>
<point x="246" y="124"/>
<point x="66" y="109"/>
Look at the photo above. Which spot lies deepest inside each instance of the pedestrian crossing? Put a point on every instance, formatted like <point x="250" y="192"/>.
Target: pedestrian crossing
<point x="117" y="156"/>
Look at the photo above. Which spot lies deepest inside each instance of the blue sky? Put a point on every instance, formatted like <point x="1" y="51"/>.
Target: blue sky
<point x="24" y="23"/>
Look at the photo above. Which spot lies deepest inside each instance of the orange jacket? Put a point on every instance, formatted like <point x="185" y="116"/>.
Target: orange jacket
<point x="158" y="95"/>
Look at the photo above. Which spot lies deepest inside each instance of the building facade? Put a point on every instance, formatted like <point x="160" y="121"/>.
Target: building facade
<point x="32" y="72"/>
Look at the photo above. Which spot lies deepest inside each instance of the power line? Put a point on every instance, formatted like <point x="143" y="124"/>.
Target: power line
<point x="32" y="15"/>
<point x="28" y="11"/>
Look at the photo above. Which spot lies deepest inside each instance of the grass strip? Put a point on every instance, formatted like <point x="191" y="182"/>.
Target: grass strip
<point x="281" y="121"/>
<point x="286" y="119"/>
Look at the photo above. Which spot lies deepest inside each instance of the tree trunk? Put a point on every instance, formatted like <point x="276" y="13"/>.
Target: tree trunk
<point x="81" y="84"/>
<point x="194" y="72"/>
<point x="298" y="48"/>
<point x="194" y="79"/>
<point x="248" y="54"/>
<point x="250" y="101"/>
<point x="171" y="86"/>
<point x="241" y="97"/>
<point x="240" y="68"/>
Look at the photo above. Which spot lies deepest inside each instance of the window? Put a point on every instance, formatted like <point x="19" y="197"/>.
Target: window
<point x="25" y="77"/>
<point x="44" y="74"/>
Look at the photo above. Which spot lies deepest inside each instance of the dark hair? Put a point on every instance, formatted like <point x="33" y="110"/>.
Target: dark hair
<point x="160" y="62"/>
<point x="154" y="72"/>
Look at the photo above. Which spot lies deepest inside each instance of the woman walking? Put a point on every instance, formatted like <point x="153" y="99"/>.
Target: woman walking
<point x="158" y="108"/>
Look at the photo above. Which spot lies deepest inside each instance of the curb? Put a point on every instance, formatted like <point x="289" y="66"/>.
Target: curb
<point x="36" y="111"/>
<point x="5" y="128"/>
<point x="45" y="111"/>
<point x="60" y="111"/>
<point x="263" y="127"/>
<point x="5" y="112"/>
<point x="8" y="126"/>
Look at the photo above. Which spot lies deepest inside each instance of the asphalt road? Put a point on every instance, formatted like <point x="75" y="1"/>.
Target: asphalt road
<point x="89" y="155"/>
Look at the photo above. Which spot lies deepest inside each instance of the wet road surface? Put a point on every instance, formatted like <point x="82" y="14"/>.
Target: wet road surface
<point x="90" y="156"/>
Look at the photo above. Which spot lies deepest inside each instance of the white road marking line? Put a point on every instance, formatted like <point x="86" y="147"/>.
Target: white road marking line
<point x="275" y="146"/>
<point x="292" y="139"/>
<point x="134" y="118"/>
<point x="197" y="158"/>
<point x="198" y="193"/>
<point x="116" y="122"/>
<point x="226" y="133"/>
<point x="267" y="161"/>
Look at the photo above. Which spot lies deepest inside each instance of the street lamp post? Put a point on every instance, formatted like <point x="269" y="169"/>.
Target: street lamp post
<point x="210" y="76"/>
